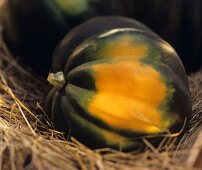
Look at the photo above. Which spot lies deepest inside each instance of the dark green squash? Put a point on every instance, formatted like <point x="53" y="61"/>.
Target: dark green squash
<point x="121" y="82"/>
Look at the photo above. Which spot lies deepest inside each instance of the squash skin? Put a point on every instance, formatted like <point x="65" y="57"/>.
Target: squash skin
<point x="82" y="56"/>
<point x="90" y="28"/>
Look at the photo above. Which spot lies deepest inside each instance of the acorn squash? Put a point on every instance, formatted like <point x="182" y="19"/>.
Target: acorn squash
<point x="119" y="81"/>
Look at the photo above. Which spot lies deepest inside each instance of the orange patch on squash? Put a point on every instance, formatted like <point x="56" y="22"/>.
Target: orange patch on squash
<point x="124" y="47"/>
<point x="128" y="96"/>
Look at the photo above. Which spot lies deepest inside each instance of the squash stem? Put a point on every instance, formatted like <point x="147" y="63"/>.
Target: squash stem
<point x="57" y="79"/>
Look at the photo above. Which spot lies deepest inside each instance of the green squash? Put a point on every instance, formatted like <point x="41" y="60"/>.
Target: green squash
<point x="117" y="81"/>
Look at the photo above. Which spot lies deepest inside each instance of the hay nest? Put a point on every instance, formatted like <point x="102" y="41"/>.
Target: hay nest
<point x="29" y="141"/>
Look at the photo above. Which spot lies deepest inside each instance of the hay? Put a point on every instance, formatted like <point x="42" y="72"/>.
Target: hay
<point x="29" y="141"/>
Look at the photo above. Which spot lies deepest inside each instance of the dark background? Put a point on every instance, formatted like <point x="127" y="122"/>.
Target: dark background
<point x="33" y="28"/>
